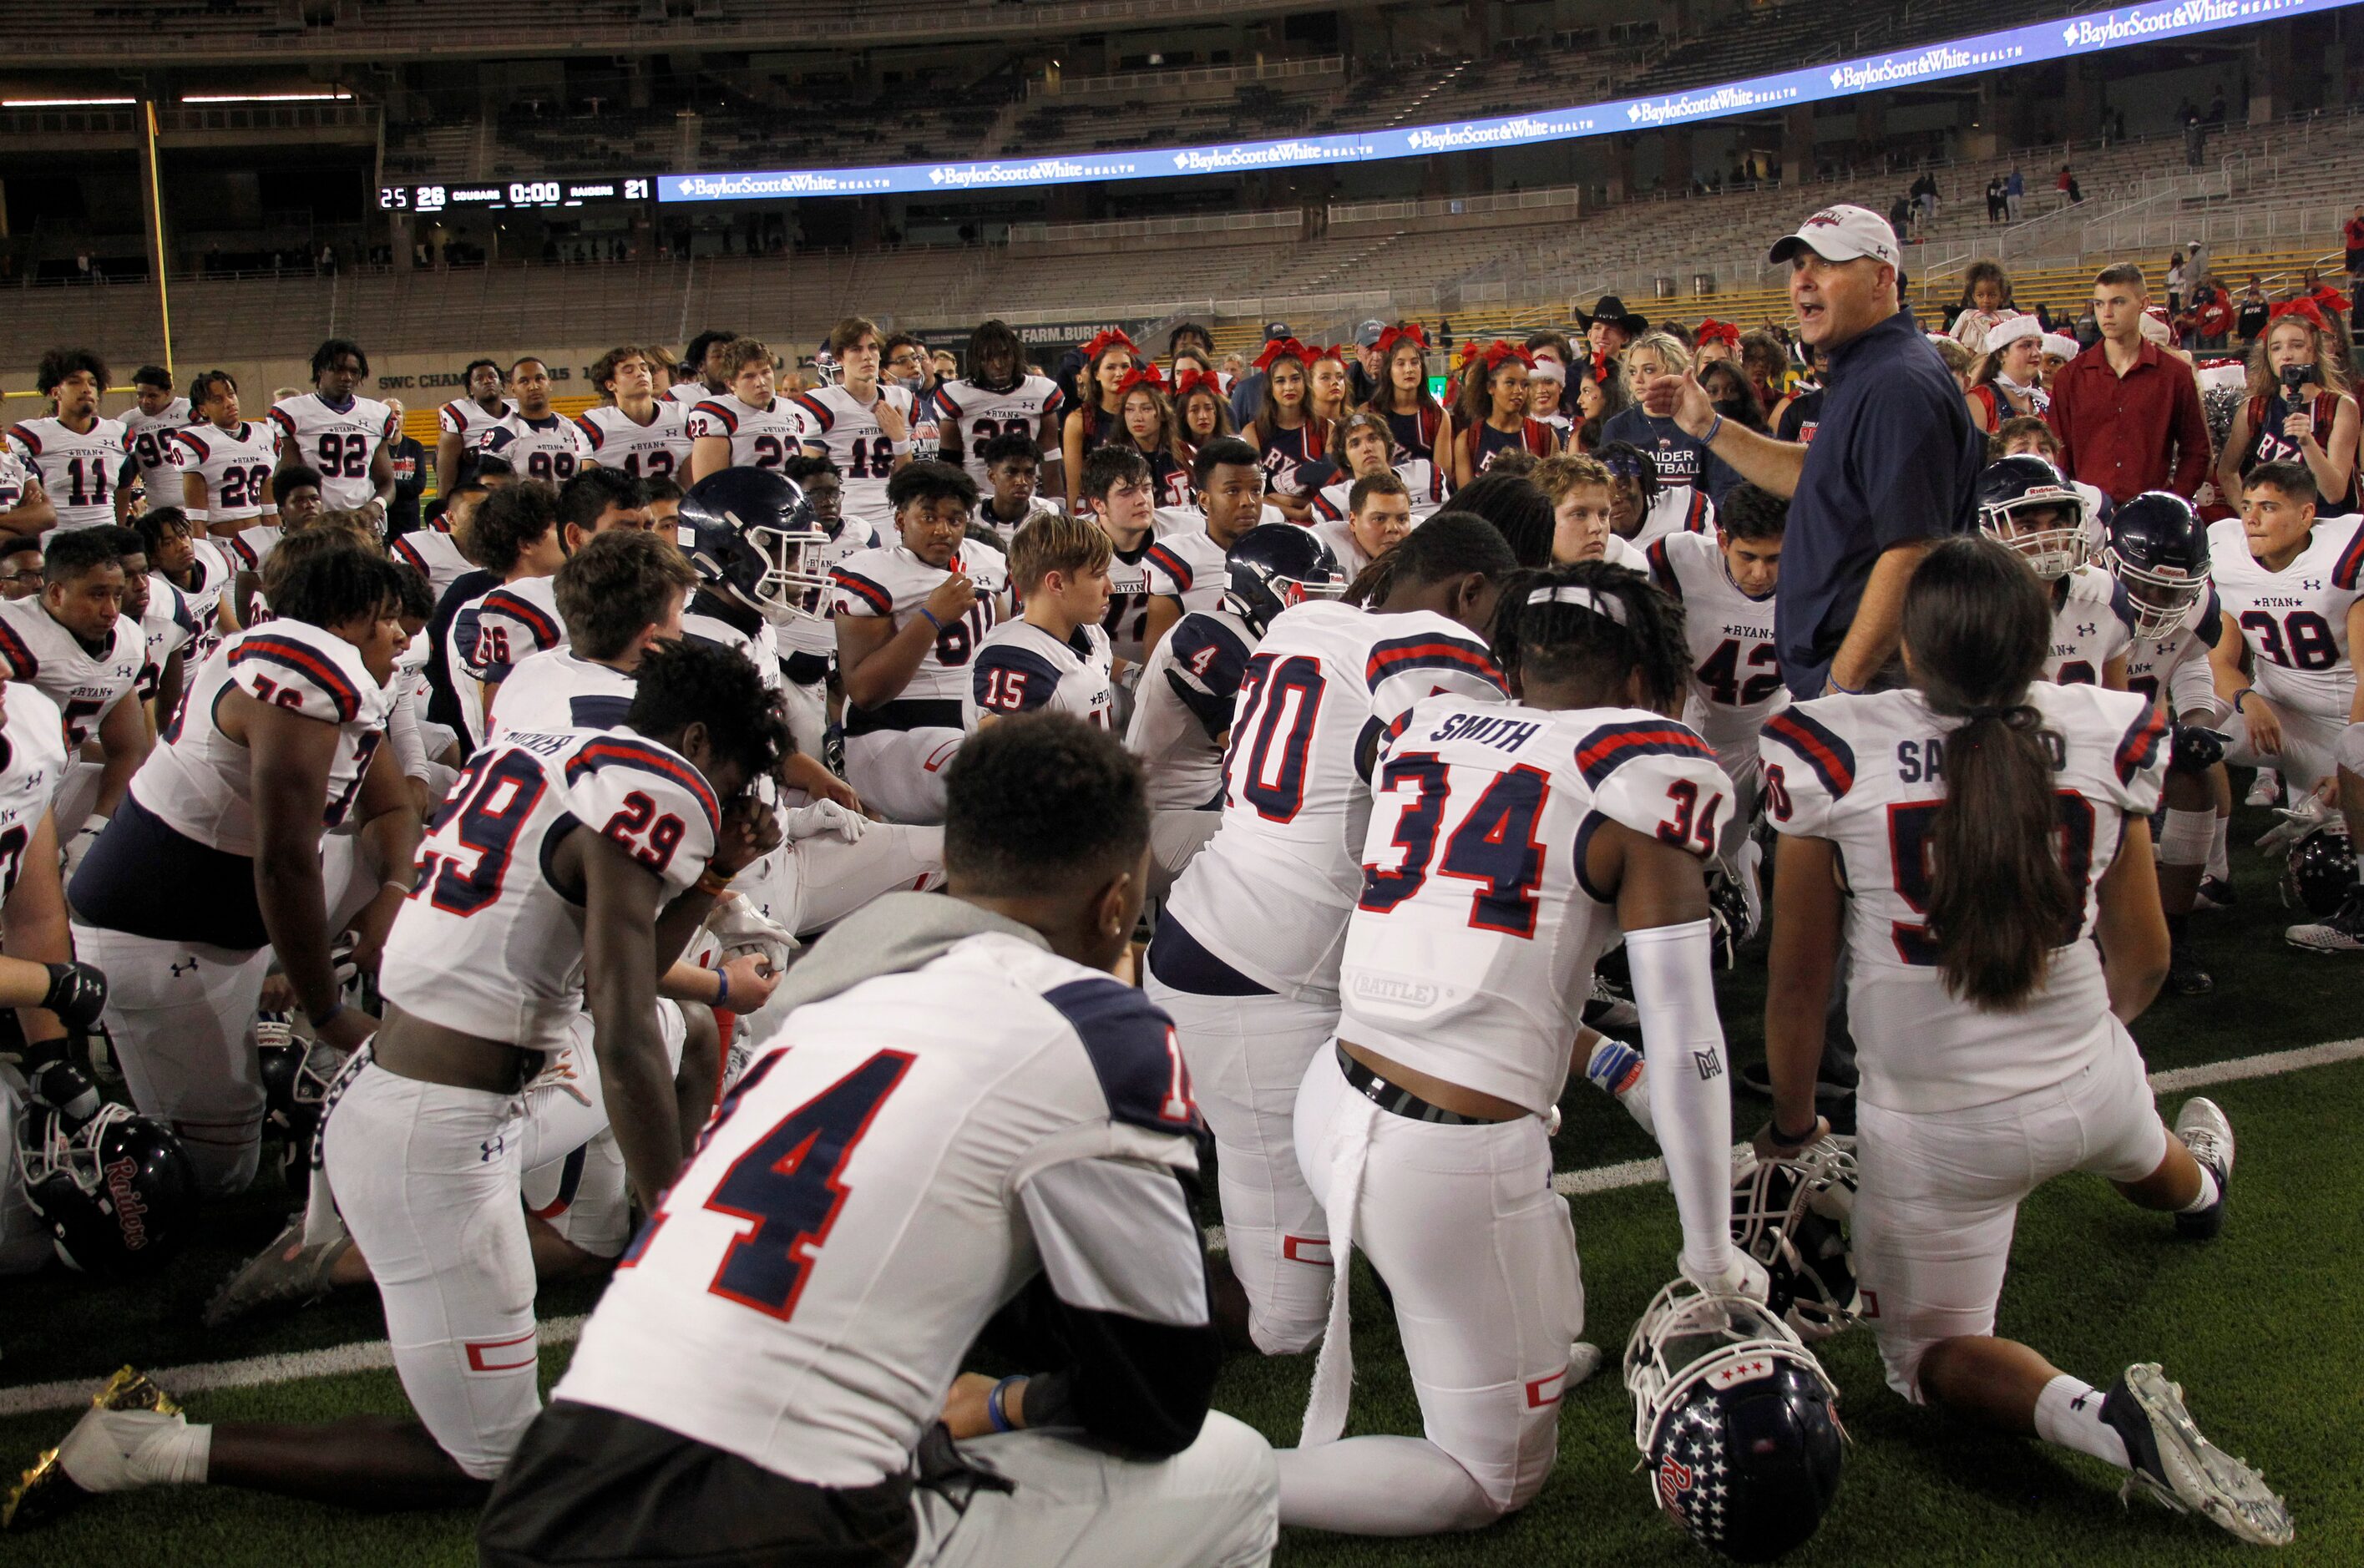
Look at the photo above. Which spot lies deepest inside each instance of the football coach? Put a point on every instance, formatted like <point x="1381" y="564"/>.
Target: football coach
<point x="1892" y="469"/>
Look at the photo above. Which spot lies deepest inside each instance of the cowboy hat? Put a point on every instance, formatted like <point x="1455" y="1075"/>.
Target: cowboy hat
<point x="1611" y="309"/>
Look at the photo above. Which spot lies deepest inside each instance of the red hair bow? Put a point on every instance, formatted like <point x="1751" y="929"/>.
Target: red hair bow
<point x="1409" y="332"/>
<point x="1714" y="331"/>
<point x="2325" y="294"/>
<point x="2305" y="308"/>
<point x="1190" y="379"/>
<point x="1284" y="348"/>
<point x="1113" y="337"/>
<point x="1505" y="349"/>
<point x="1146" y="374"/>
<point x="1335" y="351"/>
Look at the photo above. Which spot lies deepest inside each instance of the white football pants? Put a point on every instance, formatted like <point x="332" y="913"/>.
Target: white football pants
<point x="900" y="773"/>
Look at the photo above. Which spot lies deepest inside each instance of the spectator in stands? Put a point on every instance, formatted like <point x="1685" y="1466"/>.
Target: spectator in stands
<point x="2014" y="188"/>
<point x="2212" y="317"/>
<point x="1767" y="361"/>
<point x="2175" y="284"/>
<point x="1986" y="303"/>
<point x="2255" y="312"/>
<point x="1247" y="390"/>
<point x="1369" y="371"/>
<point x="1892" y="469"/>
<point x="2127" y="413"/>
<point x="409" y="476"/>
<point x="1996" y="204"/>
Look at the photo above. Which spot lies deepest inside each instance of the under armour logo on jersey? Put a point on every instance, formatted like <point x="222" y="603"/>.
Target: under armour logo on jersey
<point x="179" y="968"/>
<point x="1708" y="1063"/>
<point x="2311" y="585"/>
<point x="493" y="1148"/>
<point x="2087" y="629"/>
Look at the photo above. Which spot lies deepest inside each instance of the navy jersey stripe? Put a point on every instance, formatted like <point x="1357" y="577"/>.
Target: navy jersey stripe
<point x="619" y="752"/>
<point x="1600" y="753"/>
<point x="1832" y="759"/>
<point x="1133" y="1051"/>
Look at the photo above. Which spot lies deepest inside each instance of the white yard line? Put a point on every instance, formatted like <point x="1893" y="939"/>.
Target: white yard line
<point x="375" y="1355"/>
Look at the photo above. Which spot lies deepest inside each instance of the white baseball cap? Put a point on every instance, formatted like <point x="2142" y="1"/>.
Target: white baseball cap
<point x="1842" y="233"/>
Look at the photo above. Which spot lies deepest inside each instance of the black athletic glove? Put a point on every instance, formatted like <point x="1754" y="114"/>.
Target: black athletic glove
<point x="2193" y="750"/>
<point x="63" y="1087"/>
<point x="77" y="992"/>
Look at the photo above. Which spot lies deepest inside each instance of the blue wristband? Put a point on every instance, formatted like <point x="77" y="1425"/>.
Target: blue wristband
<point x="932" y="618"/>
<point x="994" y="1412"/>
<point x="1712" y="432"/>
<point x="723" y="996"/>
<point x="2241" y="696"/>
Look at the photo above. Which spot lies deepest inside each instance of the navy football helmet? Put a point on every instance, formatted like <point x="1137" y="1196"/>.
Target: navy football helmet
<point x="2159" y="549"/>
<point x="117" y="1191"/>
<point x="296" y="1073"/>
<point x="1737" y="1422"/>
<point x="750" y="534"/>
<point x="1791" y="1215"/>
<point x="1275" y="565"/>
<point x="2013" y="496"/>
<point x="2320" y="870"/>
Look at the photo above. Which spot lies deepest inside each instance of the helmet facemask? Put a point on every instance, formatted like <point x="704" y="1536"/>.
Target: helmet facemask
<point x="2053" y="546"/>
<point x="2161" y="596"/>
<point x="792" y="587"/>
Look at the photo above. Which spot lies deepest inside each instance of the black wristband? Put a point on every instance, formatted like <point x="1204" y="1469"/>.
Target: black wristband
<point x="1803" y="1138"/>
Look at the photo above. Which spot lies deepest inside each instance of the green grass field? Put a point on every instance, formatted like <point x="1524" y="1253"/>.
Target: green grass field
<point x="2260" y="1326"/>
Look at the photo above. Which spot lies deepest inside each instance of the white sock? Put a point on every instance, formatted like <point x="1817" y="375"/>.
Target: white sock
<point x="2068" y="1412"/>
<point x="177" y="1455"/>
<point x="2208" y="1194"/>
<point x="2220" y="863"/>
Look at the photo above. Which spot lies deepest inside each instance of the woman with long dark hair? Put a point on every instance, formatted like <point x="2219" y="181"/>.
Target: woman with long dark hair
<point x="1285" y="434"/>
<point x="1108" y="359"/>
<point x="1494" y="411"/>
<point x="1201" y="413"/>
<point x="1979" y="842"/>
<point x="1151" y="430"/>
<point x="1421" y="426"/>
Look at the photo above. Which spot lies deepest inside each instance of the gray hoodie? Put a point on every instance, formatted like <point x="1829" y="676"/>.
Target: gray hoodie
<point x="891" y="935"/>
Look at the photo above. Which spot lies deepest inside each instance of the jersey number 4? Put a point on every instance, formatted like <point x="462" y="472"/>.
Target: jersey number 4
<point x="787" y="1183"/>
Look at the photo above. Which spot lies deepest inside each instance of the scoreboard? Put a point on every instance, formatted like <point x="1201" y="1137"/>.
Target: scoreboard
<point x="512" y="195"/>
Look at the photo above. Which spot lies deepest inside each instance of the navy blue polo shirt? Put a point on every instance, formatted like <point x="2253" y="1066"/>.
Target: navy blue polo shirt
<point x="1894" y="459"/>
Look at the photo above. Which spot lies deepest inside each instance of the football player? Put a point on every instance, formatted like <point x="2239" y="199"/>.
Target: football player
<point x="1182" y="712"/>
<point x="83" y="462"/>
<point x="635" y="430"/>
<point x="1120" y="495"/>
<point x="1646" y="507"/>
<point x="978" y="1112"/>
<point x="341" y="437"/>
<point x="1376" y="515"/>
<point x="536" y="440"/>
<point x="224" y="461"/>
<point x="75" y="644"/>
<point x="2028" y="436"/>
<point x="211" y="871"/>
<point x="2289" y="581"/>
<point x="702" y="373"/>
<point x="520" y="618"/>
<point x="1247" y="959"/>
<point x="1012" y="470"/>
<point x="999" y="398"/>
<point x="1467" y="963"/>
<point x="516" y="534"/>
<point x="1367" y="443"/>
<point x="625" y="839"/>
<point x="465" y="424"/>
<point x="909" y="620"/>
<point x="32" y="896"/>
<point x="807" y="639"/>
<point x="433" y="549"/>
<point x="1055" y="654"/>
<point x="1993" y="825"/>
<point x="1184" y="567"/>
<point x="167" y="624"/>
<point x="2025" y="504"/>
<point x="748" y="425"/>
<point x="862" y="425"/>
<point x="1727" y="581"/>
<point x="197" y="569"/>
<point x="1583" y="494"/>
<point x="155" y="413"/>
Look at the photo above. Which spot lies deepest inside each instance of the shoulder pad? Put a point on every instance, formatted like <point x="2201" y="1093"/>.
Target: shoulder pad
<point x="1132" y="1050"/>
<point x="275" y="663"/>
<point x="1610" y="747"/>
<point x="607" y="771"/>
<point x="1030" y="682"/>
<point x="1433" y="650"/>
<point x="1814" y="743"/>
<point x="2349" y="567"/>
<point x="857" y="594"/>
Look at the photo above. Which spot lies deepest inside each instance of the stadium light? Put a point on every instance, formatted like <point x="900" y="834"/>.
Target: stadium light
<point x="337" y="97"/>
<point x="66" y="103"/>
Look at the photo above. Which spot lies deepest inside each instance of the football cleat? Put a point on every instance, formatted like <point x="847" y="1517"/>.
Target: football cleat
<point x="1583" y="1361"/>
<point x="2184" y="976"/>
<point x="285" y="1272"/>
<point x="2209" y="1136"/>
<point x="49" y="1488"/>
<point x="2177" y="1466"/>
<point x="2215" y="893"/>
<point x="2266" y="789"/>
<point x="2343" y="932"/>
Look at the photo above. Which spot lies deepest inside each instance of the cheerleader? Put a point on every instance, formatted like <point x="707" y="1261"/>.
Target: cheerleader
<point x="1284" y="432"/>
<point x="1099" y="413"/>
<point x="1421" y="426"/>
<point x="1148" y="429"/>
<point x="2008" y="383"/>
<point x="1494" y="411"/>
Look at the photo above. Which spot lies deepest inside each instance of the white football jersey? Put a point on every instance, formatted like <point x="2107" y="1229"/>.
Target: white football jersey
<point x="2173" y="670"/>
<point x="1679" y="509"/>
<point x="435" y="553"/>
<point x="1270" y="893"/>
<point x="235" y="466"/>
<point x="199" y="781"/>
<point x="169" y="626"/>
<point x="82" y="469"/>
<point x="32" y="761"/>
<point x="209" y="578"/>
<point x="1020" y="668"/>
<point x="1867" y="773"/>
<point x="559" y="690"/>
<point x="658" y="450"/>
<point x="968" y="416"/>
<point x="812" y="632"/>
<point x="151" y="450"/>
<point x="2295" y="620"/>
<point x="705" y="620"/>
<point x="514" y="622"/>
<point x="1422" y="477"/>
<point x="251" y="545"/>
<point x="1007" y="531"/>
<point x="339" y="442"/>
<point x="467" y="418"/>
<point x="893" y="583"/>
<point x="2092" y="623"/>
<point x="1470" y="952"/>
<point x="1128" y="609"/>
<point x="848" y="431"/>
<point x="1182" y="708"/>
<point x="1735" y="677"/>
<point x="84" y="683"/>
<point x="486" y="944"/>
<point x="687" y="394"/>
<point x="759" y="437"/>
<point x="1188" y="565"/>
<point x="549" y="448"/>
<point x="900" y="1143"/>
